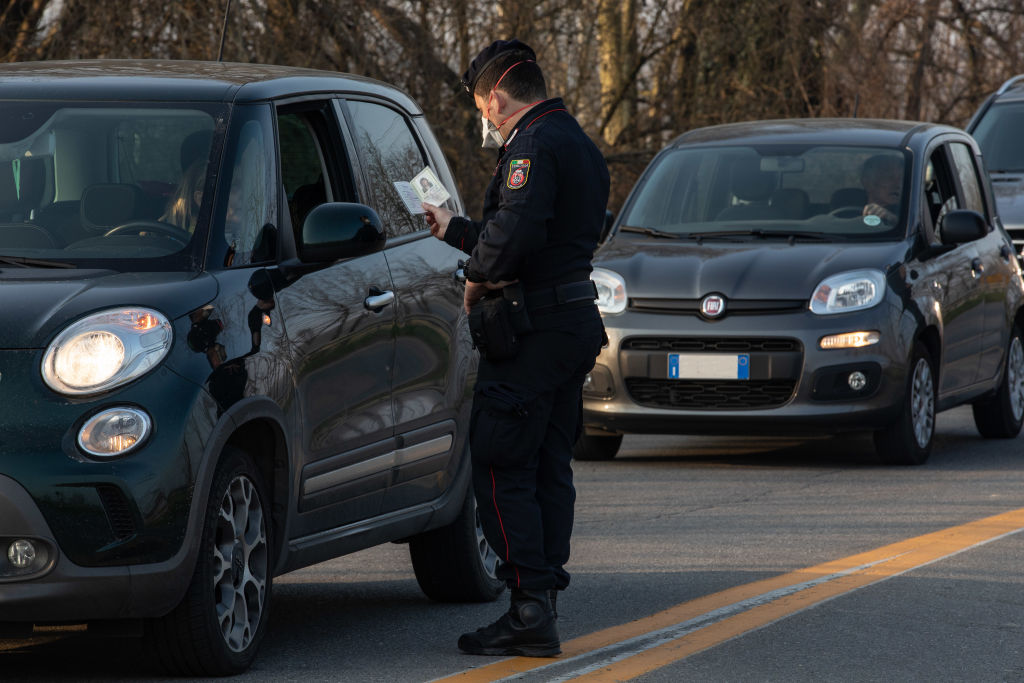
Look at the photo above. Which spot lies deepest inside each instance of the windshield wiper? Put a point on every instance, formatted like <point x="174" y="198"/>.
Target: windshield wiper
<point x="790" y="235"/>
<point x="651" y="232"/>
<point x="34" y="262"/>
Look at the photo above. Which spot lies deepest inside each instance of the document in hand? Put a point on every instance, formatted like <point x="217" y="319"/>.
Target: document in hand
<point x="424" y="187"/>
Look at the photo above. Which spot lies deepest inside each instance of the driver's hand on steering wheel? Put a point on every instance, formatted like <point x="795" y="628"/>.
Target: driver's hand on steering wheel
<point x="880" y="211"/>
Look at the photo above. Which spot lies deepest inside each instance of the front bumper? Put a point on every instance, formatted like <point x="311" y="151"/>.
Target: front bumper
<point x="117" y="529"/>
<point x="69" y="592"/>
<point x="794" y="388"/>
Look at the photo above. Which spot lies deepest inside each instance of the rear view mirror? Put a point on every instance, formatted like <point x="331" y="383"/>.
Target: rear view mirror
<point x="340" y="230"/>
<point x="962" y="225"/>
<point x="782" y="164"/>
<point x="609" y="221"/>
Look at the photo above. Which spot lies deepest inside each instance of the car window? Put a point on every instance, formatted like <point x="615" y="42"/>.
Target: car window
<point x="939" y="190"/>
<point x="853" y="192"/>
<point x="998" y="136"/>
<point x="968" y="175"/>
<point x="104" y="182"/>
<point x="248" y="210"/>
<point x="389" y="153"/>
<point x="308" y="176"/>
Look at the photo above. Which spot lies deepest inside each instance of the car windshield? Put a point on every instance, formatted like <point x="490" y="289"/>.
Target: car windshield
<point x="773" y="191"/>
<point x="998" y="135"/>
<point x="103" y="185"/>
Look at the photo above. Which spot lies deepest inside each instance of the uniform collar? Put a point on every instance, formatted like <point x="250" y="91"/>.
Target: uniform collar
<point x="545" y="107"/>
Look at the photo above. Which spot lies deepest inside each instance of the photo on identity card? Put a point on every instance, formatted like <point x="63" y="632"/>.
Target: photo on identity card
<point x="424" y="187"/>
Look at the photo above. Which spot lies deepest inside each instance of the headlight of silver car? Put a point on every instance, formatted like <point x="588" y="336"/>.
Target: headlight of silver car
<point x="611" y="290"/>
<point x="854" y="290"/>
<point x="105" y="350"/>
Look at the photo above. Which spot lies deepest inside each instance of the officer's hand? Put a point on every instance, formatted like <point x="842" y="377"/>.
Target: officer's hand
<point x="437" y="218"/>
<point x="476" y="291"/>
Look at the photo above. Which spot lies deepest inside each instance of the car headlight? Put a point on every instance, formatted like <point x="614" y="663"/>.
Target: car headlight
<point x="105" y="350"/>
<point x="611" y="290"/>
<point x="851" y="291"/>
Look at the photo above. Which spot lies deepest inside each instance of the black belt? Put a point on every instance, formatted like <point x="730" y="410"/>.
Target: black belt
<point x="569" y="293"/>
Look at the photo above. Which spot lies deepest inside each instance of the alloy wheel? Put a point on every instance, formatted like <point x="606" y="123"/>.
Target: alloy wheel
<point x="488" y="557"/>
<point x="240" y="563"/>
<point x="922" y="402"/>
<point x="1015" y="377"/>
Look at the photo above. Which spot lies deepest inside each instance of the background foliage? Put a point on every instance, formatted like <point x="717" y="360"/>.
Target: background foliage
<point x="636" y="73"/>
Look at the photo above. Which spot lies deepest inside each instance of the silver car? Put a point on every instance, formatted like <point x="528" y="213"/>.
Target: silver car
<point x="808" y="277"/>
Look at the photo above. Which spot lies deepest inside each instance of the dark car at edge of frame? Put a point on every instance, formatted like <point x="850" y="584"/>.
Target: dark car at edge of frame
<point x="747" y="288"/>
<point x="997" y="125"/>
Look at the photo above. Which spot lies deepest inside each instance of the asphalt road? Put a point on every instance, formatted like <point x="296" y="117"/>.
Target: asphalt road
<point x="697" y="559"/>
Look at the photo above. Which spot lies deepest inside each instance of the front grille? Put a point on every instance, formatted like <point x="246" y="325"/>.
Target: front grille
<point x="732" y="307"/>
<point x="711" y="345"/>
<point x="118" y="510"/>
<point x="710" y="394"/>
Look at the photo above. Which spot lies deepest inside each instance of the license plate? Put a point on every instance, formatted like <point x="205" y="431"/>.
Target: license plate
<point x="708" y="366"/>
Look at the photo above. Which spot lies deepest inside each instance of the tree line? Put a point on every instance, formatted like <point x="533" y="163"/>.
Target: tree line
<point x="636" y="73"/>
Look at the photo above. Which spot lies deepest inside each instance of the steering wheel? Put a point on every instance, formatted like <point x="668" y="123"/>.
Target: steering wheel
<point x="846" y="212"/>
<point x="138" y="227"/>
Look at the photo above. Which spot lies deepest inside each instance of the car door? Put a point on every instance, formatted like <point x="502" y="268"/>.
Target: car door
<point x="949" y="279"/>
<point x="995" y="270"/>
<point x="342" y="341"/>
<point x="432" y="341"/>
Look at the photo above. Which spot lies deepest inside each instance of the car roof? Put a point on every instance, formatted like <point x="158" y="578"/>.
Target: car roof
<point x="181" y="80"/>
<point x="857" y="132"/>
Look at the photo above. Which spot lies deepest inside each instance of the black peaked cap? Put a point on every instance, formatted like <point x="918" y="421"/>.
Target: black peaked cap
<point x="487" y="57"/>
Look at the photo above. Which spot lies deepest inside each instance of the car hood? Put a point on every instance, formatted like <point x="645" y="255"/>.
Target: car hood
<point x="745" y="270"/>
<point x="1009" y="191"/>
<point x="39" y="303"/>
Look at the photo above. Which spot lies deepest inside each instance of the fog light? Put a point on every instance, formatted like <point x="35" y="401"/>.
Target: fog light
<point x="598" y="383"/>
<point x="114" y="432"/>
<point x="857" y="380"/>
<point x="21" y="553"/>
<point x="850" y="340"/>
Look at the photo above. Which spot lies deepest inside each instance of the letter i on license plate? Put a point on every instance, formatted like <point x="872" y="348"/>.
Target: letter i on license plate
<point x="708" y="366"/>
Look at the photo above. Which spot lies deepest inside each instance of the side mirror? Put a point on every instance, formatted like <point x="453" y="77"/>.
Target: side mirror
<point x="962" y="225"/>
<point x="609" y="220"/>
<point x="340" y="230"/>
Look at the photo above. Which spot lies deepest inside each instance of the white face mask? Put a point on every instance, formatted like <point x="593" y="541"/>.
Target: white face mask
<point x="491" y="136"/>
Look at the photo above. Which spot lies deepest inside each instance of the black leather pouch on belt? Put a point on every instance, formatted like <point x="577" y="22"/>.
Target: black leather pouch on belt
<point x="497" y="321"/>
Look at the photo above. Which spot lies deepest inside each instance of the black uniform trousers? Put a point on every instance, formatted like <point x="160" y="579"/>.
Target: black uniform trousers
<point x="527" y="414"/>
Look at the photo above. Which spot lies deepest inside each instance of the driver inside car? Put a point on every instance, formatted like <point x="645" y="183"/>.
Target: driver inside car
<point x="882" y="178"/>
<point x="183" y="207"/>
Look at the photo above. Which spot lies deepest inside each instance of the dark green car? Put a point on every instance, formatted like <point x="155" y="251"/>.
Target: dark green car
<point x="809" y="277"/>
<point x="228" y="349"/>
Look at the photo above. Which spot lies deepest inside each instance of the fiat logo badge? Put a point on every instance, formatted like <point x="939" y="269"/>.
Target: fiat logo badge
<point x="712" y="306"/>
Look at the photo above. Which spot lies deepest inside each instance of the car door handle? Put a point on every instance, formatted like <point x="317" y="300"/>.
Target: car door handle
<point x="1005" y="252"/>
<point x="378" y="299"/>
<point x="460" y="272"/>
<point x="977" y="268"/>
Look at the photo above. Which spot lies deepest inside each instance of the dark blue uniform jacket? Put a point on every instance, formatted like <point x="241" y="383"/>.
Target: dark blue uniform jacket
<point x="544" y="207"/>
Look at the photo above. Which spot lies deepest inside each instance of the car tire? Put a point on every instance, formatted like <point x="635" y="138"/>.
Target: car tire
<point x="908" y="440"/>
<point x="217" y="628"/>
<point x="596" y="446"/>
<point x="1001" y="416"/>
<point x="455" y="563"/>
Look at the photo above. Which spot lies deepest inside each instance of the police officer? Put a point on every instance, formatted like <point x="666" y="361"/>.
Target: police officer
<point x="543" y="213"/>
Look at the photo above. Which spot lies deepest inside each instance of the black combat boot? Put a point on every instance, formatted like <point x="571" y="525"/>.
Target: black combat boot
<point x="527" y="629"/>
<point x="553" y="597"/>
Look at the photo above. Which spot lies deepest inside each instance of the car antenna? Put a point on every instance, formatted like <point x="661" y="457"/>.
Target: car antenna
<point x="856" y="98"/>
<point x="223" y="31"/>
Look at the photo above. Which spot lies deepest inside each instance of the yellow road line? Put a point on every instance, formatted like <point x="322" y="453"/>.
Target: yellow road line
<point x="827" y="581"/>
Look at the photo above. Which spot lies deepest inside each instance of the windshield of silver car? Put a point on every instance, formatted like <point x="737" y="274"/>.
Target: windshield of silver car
<point x="735" y="192"/>
<point x="83" y="183"/>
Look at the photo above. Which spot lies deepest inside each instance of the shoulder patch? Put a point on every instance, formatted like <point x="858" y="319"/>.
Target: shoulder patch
<point x="518" y="173"/>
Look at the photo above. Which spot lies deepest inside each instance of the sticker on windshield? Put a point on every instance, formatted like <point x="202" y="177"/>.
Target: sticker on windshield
<point x="873" y="221"/>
